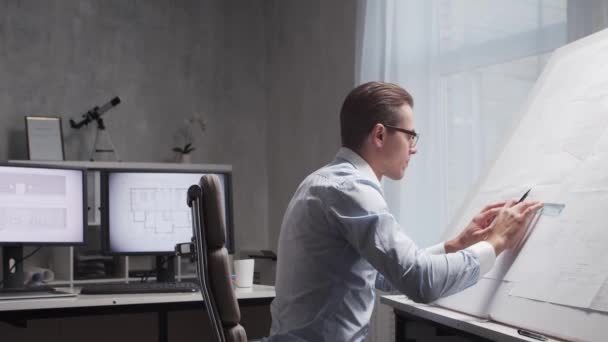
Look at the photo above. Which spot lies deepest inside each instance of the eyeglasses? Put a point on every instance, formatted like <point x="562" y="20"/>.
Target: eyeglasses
<point x="411" y="134"/>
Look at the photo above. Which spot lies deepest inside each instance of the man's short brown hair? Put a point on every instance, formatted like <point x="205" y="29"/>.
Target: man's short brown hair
<point x="367" y="105"/>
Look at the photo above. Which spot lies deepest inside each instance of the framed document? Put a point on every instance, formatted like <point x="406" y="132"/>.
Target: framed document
<point x="44" y="138"/>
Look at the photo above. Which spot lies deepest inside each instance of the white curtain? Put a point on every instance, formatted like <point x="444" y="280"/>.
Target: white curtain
<point x="470" y="65"/>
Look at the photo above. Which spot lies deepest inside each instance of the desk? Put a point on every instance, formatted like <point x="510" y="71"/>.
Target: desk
<point x="18" y="312"/>
<point x="471" y="327"/>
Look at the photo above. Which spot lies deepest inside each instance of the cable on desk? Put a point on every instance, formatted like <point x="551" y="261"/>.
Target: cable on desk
<point x="145" y="277"/>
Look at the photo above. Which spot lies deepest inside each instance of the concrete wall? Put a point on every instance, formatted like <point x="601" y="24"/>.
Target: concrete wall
<point x="268" y="76"/>
<point x="166" y="60"/>
<point x="311" y="58"/>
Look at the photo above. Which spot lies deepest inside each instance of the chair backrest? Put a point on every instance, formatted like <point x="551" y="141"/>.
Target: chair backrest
<point x="209" y="228"/>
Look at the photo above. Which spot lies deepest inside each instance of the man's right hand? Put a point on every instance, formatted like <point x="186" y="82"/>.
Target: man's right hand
<point x="509" y="226"/>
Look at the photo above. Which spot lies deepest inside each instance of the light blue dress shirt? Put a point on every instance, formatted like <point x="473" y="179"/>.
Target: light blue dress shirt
<point x="337" y="234"/>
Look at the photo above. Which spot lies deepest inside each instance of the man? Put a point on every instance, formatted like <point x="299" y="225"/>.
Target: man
<point x="338" y="237"/>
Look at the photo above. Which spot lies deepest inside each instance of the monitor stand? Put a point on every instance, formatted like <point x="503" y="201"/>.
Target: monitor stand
<point x="165" y="269"/>
<point x="10" y="256"/>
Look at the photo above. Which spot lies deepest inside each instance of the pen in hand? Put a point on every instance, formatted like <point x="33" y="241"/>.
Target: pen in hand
<point x="519" y="201"/>
<point x="524" y="196"/>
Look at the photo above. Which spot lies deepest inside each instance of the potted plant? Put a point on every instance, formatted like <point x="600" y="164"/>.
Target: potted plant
<point x="184" y="152"/>
<point x="186" y="137"/>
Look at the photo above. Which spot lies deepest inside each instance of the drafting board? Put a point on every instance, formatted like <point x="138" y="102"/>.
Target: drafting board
<point x="554" y="283"/>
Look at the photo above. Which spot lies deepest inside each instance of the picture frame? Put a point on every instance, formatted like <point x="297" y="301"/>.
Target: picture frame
<point x="44" y="138"/>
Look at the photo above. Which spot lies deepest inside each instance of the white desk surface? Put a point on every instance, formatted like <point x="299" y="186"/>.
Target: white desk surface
<point x="257" y="291"/>
<point x="474" y="325"/>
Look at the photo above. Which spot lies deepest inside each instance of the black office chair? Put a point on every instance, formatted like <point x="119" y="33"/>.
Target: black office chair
<point x="209" y="228"/>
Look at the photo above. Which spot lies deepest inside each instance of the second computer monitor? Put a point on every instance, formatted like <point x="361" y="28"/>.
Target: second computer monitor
<point x="146" y="211"/>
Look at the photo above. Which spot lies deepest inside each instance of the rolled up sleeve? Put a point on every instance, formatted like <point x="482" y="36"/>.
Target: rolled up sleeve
<point x="360" y="212"/>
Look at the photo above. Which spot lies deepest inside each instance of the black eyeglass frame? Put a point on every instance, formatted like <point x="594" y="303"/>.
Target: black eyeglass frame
<point x="414" y="136"/>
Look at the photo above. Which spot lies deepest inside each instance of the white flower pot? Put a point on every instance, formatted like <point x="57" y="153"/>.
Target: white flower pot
<point x="186" y="158"/>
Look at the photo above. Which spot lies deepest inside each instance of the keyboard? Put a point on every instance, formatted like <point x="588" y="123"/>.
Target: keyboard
<point x="134" y="288"/>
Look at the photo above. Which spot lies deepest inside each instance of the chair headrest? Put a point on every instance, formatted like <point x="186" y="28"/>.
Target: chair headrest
<point x="213" y="211"/>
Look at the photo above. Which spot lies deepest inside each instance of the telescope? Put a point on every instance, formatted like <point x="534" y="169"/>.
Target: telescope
<point x="103" y="148"/>
<point x="95" y="114"/>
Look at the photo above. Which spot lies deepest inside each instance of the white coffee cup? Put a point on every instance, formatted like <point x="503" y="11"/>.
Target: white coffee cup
<point x="243" y="269"/>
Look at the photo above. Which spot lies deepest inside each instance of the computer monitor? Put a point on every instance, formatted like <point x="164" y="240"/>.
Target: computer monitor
<point x="39" y="205"/>
<point x="146" y="212"/>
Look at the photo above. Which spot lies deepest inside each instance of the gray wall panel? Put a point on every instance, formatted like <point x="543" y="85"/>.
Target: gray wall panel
<point x="311" y="58"/>
<point x="166" y="60"/>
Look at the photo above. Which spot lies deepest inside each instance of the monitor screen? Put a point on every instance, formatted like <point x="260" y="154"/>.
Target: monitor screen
<point x="147" y="211"/>
<point x="42" y="205"/>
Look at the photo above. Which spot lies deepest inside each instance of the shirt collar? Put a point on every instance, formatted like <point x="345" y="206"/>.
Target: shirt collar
<point x="359" y="163"/>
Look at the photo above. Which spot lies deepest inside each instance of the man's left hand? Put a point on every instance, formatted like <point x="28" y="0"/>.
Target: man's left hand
<point x="476" y="230"/>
